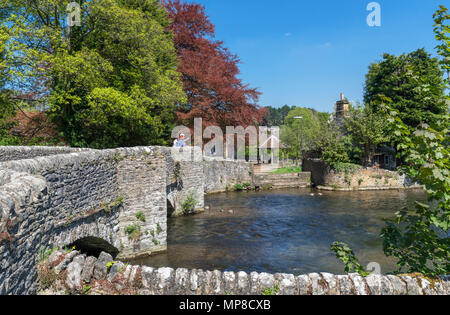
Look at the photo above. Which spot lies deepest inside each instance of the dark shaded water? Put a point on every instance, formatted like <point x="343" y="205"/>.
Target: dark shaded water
<point x="286" y="231"/>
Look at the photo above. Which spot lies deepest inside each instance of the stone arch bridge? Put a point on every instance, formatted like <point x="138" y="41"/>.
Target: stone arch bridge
<point x="116" y="200"/>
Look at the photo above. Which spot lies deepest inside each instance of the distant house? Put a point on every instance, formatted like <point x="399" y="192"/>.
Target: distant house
<point x="384" y="158"/>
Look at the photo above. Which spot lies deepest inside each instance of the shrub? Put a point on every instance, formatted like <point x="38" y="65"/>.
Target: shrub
<point x="189" y="204"/>
<point x="347" y="168"/>
<point x="46" y="277"/>
<point x="346" y="255"/>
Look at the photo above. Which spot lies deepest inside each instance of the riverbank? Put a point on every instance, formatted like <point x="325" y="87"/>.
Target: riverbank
<point x="355" y="178"/>
<point x="335" y="188"/>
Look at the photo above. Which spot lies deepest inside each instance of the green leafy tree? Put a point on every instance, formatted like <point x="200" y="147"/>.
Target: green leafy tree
<point x="300" y="134"/>
<point x="414" y="84"/>
<point x="334" y="148"/>
<point x="6" y="105"/>
<point x="111" y="81"/>
<point x="442" y="29"/>
<point x="276" y="116"/>
<point x="368" y="129"/>
<point x="419" y="238"/>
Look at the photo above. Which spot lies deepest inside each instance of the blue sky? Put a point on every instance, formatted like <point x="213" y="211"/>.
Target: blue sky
<point x="306" y="52"/>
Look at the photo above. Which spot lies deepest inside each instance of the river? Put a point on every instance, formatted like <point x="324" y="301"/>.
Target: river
<point x="284" y="231"/>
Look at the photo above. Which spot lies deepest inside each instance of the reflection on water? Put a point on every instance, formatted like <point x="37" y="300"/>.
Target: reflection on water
<point x="286" y="231"/>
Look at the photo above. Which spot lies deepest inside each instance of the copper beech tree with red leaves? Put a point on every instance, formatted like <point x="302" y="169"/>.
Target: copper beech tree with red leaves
<point x="209" y="72"/>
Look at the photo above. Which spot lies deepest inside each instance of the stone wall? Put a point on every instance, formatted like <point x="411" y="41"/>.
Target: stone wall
<point x="141" y="180"/>
<point x="289" y="180"/>
<point x="185" y="179"/>
<point x="11" y="153"/>
<point x="54" y="201"/>
<point x="117" y="278"/>
<point x="324" y="177"/>
<point x="222" y="175"/>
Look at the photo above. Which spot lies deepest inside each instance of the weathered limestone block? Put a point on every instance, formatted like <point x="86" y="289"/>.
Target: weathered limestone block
<point x="398" y="286"/>
<point x="304" y="285"/>
<point x="208" y="283"/>
<point x="439" y="288"/>
<point x="115" y="270"/>
<point x="229" y="281"/>
<point x="243" y="283"/>
<point x="446" y="284"/>
<point x="55" y="258"/>
<point x="216" y="283"/>
<point x="193" y="280"/>
<point x="67" y="260"/>
<point x="182" y="280"/>
<point x="202" y="282"/>
<point x="346" y="286"/>
<point x="165" y="278"/>
<point x="265" y="281"/>
<point x="379" y="285"/>
<point x="318" y="284"/>
<point x="74" y="270"/>
<point x="359" y="284"/>
<point x="133" y="273"/>
<point x="331" y="283"/>
<point x="427" y="287"/>
<point x="286" y="284"/>
<point x="100" y="269"/>
<point x="412" y="286"/>
<point x="147" y="278"/>
<point x="88" y="269"/>
<point x="254" y="285"/>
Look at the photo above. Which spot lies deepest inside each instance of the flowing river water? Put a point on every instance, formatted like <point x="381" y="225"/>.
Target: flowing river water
<point x="285" y="231"/>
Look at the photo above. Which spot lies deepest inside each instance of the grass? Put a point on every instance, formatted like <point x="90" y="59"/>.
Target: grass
<point x="287" y="170"/>
<point x="133" y="231"/>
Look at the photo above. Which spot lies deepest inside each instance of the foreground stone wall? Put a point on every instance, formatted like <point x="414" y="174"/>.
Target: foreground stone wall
<point x="117" y="278"/>
<point x="222" y="175"/>
<point x="324" y="177"/>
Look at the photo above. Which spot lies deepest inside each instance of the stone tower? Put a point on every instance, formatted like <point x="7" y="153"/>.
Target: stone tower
<point x="342" y="110"/>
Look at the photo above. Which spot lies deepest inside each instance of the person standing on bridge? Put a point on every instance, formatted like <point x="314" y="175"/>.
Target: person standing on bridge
<point x="180" y="143"/>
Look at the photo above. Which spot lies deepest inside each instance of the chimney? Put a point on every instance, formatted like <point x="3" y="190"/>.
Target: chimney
<point x="342" y="97"/>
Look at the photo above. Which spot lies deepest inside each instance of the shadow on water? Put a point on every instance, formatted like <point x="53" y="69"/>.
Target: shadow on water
<point x="286" y="231"/>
